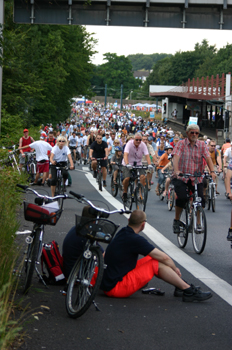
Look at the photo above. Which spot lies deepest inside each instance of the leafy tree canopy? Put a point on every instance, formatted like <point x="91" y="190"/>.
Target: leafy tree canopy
<point x="146" y="62"/>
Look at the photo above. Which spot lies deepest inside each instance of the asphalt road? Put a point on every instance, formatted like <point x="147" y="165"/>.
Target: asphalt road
<point x="141" y="321"/>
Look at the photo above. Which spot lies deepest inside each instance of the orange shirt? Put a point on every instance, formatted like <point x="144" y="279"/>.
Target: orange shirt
<point x="163" y="161"/>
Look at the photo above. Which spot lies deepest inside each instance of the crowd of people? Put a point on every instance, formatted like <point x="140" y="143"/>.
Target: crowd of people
<point x="122" y="138"/>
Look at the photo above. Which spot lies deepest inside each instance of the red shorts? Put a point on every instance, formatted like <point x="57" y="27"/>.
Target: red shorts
<point x="144" y="271"/>
<point x="43" y="167"/>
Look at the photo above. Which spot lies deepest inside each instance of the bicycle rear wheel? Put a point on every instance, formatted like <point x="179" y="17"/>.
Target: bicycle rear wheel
<point x="29" y="262"/>
<point x="171" y="198"/>
<point x="139" y="197"/>
<point x="199" y="230"/>
<point x="161" y="190"/>
<point x="213" y="198"/>
<point x="119" y="184"/>
<point x="129" y="202"/>
<point x="113" y="187"/>
<point x="84" y="282"/>
<point x="99" y="180"/>
<point x="182" y="237"/>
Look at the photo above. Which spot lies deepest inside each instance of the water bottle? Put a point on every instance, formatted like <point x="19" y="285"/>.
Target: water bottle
<point x="104" y="236"/>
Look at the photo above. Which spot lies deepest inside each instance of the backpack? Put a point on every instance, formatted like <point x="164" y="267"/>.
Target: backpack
<point x="53" y="262"/>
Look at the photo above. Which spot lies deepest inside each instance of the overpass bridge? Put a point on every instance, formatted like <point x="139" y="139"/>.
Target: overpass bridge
<point x="205" y="14"/>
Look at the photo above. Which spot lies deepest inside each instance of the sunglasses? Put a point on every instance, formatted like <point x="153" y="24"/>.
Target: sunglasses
<point x="140" y="140"/>
<point x="62" y="141"/>
<point x="213" y="145"/>
<point x="194" y="132"/>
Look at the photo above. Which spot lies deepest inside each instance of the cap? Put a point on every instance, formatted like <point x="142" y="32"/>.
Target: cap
<point x="25" y="130"/>
<point x="117" y="148"/>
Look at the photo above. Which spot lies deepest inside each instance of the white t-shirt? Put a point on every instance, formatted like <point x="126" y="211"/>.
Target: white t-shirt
<point x="72" y="141"/>
<point x="228" y="154"/>
<point x="60" y="155"/>
<point x="84" y="140"/>
<point x="41" y="149"/>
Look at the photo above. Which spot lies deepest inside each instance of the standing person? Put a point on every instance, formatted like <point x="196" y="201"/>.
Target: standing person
<point x="24" y="141"/>
<point x="59" y="154"/>
<point x="133" y="153"/>
<point x="51" y="139"/>
<point x="125" y="273"/>
<point x="216" y="159"/>
<point x="41" y="148"/>
<point x="99" y="149"/>
<point x="189" y="155"/>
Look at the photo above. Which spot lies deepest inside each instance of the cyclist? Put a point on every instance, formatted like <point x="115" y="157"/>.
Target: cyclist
<point x="99" y="149"/>
<point x="163" y="161"/>
<point x="228" y="194"/>
<point x="51" y="139"/>
<point x="24" y="141"/>
<point x="59" y="155"/>
<point x="133" y="154"/>
<point x="189" y="155"/>
<point x="125" y="274"/>
<point x="152" y="154"/>
<point x="168" y="166"/>
<point x="116" y="158"/>
<point x="72" y="144"/>
<point x="216" y="159"/>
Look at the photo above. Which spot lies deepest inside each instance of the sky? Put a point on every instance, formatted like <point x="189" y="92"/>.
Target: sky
<point x="131" y="40"/>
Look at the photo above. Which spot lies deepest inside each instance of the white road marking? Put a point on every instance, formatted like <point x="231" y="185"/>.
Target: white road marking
<point x="215" y="283"/>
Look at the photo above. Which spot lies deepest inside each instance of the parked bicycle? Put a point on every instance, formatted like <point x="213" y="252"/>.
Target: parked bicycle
<point x="45" y="211"/>
<point x="193" y="219"/>
<point x="136" y="192"/>
<point x="11" y="160"/>
<point x="86" y="276"/>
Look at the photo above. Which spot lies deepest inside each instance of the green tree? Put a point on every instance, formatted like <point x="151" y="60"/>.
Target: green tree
<point x="146" y="62"/>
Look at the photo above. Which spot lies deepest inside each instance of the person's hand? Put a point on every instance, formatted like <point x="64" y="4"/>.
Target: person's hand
<point x="129" y="167"/>
<point x="23" y="155"/>
<point x="213" y="176"/>
<point x="178" y="271"/>
<point x="72" y="167"/>
<point x="150" y="167"/>
<point x="162" y="171"/>
<point x="53" y="162"/>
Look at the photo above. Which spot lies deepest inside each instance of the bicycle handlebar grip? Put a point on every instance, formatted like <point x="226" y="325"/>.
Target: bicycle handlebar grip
<point x="22" y="186"/>
<point x="126" y="212"/>
<point x="78" y="196"/>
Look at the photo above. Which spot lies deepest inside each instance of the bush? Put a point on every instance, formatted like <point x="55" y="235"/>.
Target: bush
<point x="9" y="200"/>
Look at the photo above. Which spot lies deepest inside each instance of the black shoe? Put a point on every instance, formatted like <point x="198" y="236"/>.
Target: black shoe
<point x="124" y="197"/>
<point x="104" y="183"/>
<point x="193" y="294"/>
<point x="176" y="226"/>
<point x="229" y="236"/>
<point x="95" y="174"/>
<point x="179" y="292"/>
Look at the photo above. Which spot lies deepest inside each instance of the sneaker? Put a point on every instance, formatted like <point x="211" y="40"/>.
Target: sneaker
<point x="95" y="174"/>
<point x="229" y="236"/>
<point x="124" y="197"/>
<point x="104" y="183"/>
<point x="179" y="292"/>
<point x="176" y="226"/>
<point x="193" y="294"/>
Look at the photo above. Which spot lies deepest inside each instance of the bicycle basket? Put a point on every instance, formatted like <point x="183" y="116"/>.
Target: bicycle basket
<point x="96" y="229"/>
<point x="40" y="214"/>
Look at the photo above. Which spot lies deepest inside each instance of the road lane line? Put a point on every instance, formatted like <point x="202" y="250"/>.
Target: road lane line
<point x="215" y="283"/>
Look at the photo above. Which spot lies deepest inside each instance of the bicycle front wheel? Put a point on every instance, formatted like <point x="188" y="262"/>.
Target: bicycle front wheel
<point x="99" y="180"/>
<point x="213" y="198"/>
<point x="129" y="202"/>
<point x="182" y="237"/>
<point x="29" y="261"/>
<point x="199" y="230"/>
<point x="113" y="187"/>
<point x="84" y="282"/>
<point x="171" y="198"/>
<point x="139" y="197"/>
<point x="32" y="172"/>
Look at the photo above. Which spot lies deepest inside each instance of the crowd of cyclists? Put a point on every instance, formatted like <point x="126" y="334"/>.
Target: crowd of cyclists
<point x="121" y="138"/>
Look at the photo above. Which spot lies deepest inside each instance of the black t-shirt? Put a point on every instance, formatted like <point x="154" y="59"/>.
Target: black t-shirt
<point x="99" y="149"/>
<point x="121" y="256"/>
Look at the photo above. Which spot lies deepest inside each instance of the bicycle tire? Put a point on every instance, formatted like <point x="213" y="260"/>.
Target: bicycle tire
<point x="113" y="187"/>
<point x="59" y="190"/>
<point x="99" y="179"/>
<point x="119" y="184"/>
<point x="208" y="198"/>
<point x="129" y="202"/>
<point x="80" y="292"/>
<point x="29" y="262"/>
<point x="171" y="198"/>
<point x="199" y="237"/>
<point x="32" y="172"/>
<point x="182" y="237"/>
<point x="161" y="190"/>
<point x="145" y="195"/>
<point x="213" y="202"/>
<point x="139" y="197"/>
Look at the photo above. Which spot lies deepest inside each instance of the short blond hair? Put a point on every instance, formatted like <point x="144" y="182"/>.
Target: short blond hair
<point x="61" y="138"/>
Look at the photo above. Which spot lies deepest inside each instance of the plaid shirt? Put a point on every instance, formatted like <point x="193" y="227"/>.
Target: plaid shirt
<point x="191" y="158"/>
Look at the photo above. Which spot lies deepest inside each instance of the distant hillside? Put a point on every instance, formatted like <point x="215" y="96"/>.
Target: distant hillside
<point x="146" y="62"/>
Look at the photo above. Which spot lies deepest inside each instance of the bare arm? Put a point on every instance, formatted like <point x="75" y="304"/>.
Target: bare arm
<point x="165" y="259"/>
<point x="70" y="160"/>
<point x="211" y="167"/>
<point x="227" y="182"/>
<point x="126" y="158"/>
<point x="176" y="159"/>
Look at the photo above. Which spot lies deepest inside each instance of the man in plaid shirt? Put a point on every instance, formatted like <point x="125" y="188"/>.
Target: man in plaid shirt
<point x="189" y="155"/>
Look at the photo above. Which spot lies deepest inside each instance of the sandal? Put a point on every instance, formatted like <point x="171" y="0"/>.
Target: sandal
<point x="157" y="192"/>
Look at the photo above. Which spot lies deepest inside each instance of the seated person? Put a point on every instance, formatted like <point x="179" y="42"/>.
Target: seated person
<point x="125" y="274"/>
<point x="116" y="158"/>
<point x="73" y="245"/>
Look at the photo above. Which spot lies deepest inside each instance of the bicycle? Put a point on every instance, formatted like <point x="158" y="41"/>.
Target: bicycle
<point x="11" y="160"/>
<point x="161" y="186"/>
<point x="99" y="173"/>
<point x="31" y="165"/>
<point x="86" y="276"/>
<point x="45" y="211"/>
<point x="117" y="187"/>
<point x="136" y="192"/>
<point x="210" y="195"/>
<point x="60" y="186"/>
<point x="193" y="220"/>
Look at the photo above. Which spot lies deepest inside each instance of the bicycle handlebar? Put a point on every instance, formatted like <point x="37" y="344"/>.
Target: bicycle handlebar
<point x="81" y="198"/>
<point x="196" y="174"/>
<point x="51" y="199"/>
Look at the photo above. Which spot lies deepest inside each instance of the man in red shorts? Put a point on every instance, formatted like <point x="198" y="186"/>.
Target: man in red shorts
<point x="125" y="274"/>
<point x="41" y="148"/>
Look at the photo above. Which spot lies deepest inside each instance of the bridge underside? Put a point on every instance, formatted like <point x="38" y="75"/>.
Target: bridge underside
<point x="201" y="14"/>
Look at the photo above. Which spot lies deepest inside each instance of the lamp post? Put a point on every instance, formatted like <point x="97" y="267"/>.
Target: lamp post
<point x="1" y="29"/>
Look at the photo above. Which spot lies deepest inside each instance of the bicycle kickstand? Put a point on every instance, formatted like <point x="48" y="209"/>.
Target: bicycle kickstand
<point x="96" y="307"/>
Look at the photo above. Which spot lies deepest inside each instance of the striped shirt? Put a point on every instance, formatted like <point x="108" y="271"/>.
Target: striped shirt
<point x="191" y="157"/>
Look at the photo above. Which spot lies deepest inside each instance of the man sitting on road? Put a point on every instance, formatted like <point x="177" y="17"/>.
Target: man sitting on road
<point x="133" y="154"/>
<point x="99" y="149"/>
<point x="125" y="274"/>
